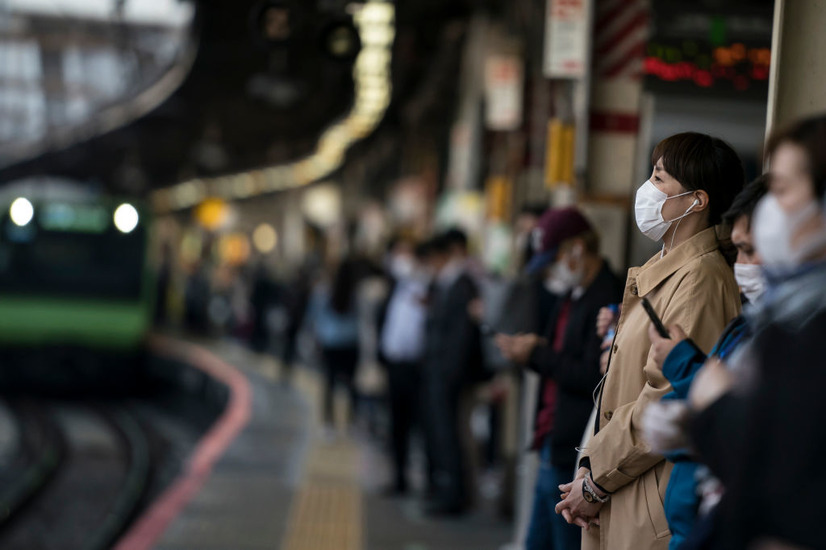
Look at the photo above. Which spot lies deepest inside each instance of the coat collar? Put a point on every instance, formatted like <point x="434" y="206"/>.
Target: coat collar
<point x="657" y="269"/>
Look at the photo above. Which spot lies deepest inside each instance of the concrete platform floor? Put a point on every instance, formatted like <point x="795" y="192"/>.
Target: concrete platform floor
<point x="285" y="484"/>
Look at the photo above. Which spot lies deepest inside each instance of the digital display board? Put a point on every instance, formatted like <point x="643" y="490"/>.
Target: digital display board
<point x="710" y="48"/>
<point x="82" y="218"/>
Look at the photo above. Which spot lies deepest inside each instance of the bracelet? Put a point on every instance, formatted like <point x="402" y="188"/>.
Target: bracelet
<point x="596" y="485"/>
<point x="590" y="495"/>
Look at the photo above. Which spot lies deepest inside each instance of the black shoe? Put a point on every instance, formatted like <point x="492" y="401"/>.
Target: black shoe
<point x="442" y="509"/>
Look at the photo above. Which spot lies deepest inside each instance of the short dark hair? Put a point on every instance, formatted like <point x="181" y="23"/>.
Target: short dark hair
<point x="746" y="201"/>
<point x="810" y="134"/>
<point x="701" y="162"/>
<point x="437" y="245"/>
<point x="423" y="250"/>
<point x="455" y="237"/>
<point x="400" y="238"/>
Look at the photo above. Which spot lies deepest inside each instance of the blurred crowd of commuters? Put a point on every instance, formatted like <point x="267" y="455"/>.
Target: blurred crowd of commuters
<point x="705" y="436"/>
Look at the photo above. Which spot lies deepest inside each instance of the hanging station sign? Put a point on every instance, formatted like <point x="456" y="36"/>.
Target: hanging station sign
<point x="503" y="92"/>
<point x="566" y="38"/>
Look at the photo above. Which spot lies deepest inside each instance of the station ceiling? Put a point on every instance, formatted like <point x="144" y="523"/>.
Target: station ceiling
<point x="264" y="81"/>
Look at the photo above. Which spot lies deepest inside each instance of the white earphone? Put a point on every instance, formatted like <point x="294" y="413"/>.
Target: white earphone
<point x="693" y="204"/>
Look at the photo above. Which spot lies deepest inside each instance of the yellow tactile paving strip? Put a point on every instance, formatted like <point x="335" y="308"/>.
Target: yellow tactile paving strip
<point x="327" y="512"/>
<point x="325" y="517"/>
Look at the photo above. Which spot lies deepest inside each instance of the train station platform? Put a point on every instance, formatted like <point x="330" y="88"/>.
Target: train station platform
<point x="277" y="480"/>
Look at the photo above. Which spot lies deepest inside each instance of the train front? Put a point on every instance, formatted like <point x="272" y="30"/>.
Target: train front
<point x="76" y="290"/>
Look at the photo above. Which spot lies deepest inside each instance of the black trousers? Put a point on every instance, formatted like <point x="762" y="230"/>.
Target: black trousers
<point x="441" y="403"/>
<point x="289" y="351"/>
<point x="340" y="366"/>
<point x="404" y="388"/>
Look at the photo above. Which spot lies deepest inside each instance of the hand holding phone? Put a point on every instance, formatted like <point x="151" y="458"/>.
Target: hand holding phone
<point x="655" y="319"/>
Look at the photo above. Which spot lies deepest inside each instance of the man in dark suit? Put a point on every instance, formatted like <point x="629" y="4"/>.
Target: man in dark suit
<point x="453" y="358"/>
<point x="566" y="355"/>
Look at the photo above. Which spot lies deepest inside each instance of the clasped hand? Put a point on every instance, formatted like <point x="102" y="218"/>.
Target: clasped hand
<point x="573" y="507"/>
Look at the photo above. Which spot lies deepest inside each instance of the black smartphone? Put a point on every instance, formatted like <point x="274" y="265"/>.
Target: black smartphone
<point x="655" y="319"/>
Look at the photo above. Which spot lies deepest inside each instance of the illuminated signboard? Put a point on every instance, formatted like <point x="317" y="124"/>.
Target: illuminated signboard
<point x="694" y="49"/>
<point x="81" y="218"/>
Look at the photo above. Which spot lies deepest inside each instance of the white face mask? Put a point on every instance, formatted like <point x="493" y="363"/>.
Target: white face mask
<point x="648" y="210"/>
<point x="402" y="267"/>
<point x="773" y="230"/>
<point x="751" y="280"/>
<point x="562" y="279"/>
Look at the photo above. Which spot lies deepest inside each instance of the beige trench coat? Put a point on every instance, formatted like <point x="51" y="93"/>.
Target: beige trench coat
<point x="693" y="287"/>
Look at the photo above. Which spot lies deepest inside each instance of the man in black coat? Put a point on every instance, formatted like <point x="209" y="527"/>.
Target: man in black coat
<point x="453" y="359"/>
<point x="567" y="358"/>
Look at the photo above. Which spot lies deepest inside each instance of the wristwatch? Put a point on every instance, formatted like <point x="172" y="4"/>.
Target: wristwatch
<point x="590" y="495"/>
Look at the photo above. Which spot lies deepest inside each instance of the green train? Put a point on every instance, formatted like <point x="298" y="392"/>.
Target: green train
<point x="74" y="270"/>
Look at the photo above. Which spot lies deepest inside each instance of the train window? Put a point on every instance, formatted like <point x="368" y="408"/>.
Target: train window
<point x="75" y="68"/>
<point x="71" y="263"/>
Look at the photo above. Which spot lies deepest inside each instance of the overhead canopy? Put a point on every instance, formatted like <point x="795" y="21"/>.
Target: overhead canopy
<point x="243" y="101"/>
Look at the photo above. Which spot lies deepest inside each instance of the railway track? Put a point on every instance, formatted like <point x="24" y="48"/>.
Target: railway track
<point x="79" y="477"/>
<point x="39" y="452"/>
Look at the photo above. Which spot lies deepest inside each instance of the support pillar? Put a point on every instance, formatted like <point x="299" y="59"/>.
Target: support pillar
<point x="797" y="83"/>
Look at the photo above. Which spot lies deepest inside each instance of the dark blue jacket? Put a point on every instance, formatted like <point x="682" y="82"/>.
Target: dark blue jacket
<point x="681" y="499"/>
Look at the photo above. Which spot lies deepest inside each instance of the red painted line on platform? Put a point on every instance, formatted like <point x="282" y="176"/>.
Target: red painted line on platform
<point x="147" y="530"/>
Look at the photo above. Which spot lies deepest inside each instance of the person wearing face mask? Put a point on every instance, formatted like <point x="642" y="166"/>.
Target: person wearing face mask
<point x="567" y="358"/>
<point x="767" y="439"/>
<point x="530" y="302"/>
<point x="451" y="364"/>
<point x="523" y="228"/>
<point x="401" y="326"/>
<point x="526" y="310"/>
<point x="680" y="359"/>
<point x="616" y="496"/>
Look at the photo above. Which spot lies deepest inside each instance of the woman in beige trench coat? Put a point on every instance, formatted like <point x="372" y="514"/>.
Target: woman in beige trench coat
<point x="689" y="283"/>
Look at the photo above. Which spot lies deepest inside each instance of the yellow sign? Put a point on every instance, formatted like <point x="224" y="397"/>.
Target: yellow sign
<point x="559" y="156"/>
<point x="499" y="196"/>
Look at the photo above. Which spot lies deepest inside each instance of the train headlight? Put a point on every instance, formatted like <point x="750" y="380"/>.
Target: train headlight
<point x="126" y="218"/>
<point x="21" y="211"/>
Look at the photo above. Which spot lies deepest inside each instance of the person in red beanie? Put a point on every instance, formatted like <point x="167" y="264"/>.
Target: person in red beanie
<point x="567" y="358"/>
